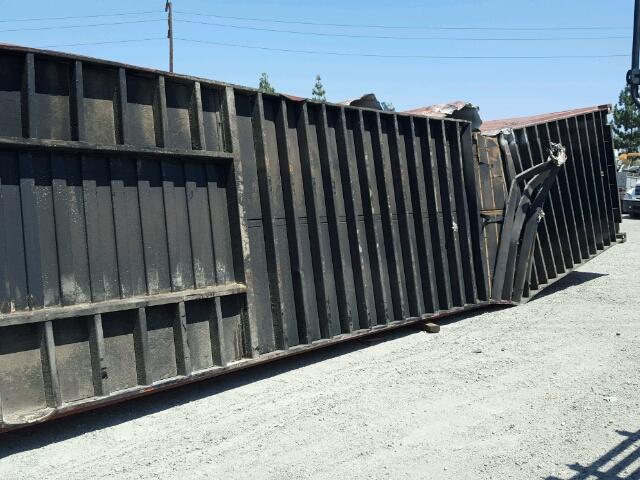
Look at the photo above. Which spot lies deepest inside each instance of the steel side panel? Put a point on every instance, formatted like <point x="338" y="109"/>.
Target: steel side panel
<point x="158" y="229"/>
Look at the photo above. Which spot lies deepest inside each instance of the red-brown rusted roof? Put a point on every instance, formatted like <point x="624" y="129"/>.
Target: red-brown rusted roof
<point x="519" y="122"/>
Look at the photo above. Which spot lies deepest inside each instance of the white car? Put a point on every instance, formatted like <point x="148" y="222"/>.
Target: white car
<point x="631" y="200"/>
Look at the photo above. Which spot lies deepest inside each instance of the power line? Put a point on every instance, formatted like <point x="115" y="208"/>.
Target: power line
<point x="376" y="55"/>
<point x="406" y="27"/>
<point x="76" y="17"/>
<point x="387" y="37"/>
<point x="86" y="25"/>
<point x="103" y="43"/>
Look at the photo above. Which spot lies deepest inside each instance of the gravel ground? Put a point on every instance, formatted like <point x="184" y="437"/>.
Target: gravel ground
<point x="544" y="390"/>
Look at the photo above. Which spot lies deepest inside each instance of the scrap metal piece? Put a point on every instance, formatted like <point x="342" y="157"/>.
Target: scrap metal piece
<point x="459" y="110"/>
<point x="368" y="100"/>
<point x="557" y="154"/>
<point x="523" y="213"/>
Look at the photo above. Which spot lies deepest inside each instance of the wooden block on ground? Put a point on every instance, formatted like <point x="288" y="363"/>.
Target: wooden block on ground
<point x="430" y="327"/>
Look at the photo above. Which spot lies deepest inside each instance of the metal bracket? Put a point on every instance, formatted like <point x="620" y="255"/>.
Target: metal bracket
<point x="488" y="219"/>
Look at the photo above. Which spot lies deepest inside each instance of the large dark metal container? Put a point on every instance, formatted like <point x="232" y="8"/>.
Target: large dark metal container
<point x="156" y="229"/>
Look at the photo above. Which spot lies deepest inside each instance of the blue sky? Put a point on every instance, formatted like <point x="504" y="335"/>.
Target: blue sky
<point x="502" y="88"/>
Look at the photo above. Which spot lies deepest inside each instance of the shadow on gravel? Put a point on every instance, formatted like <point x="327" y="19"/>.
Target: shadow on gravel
<point x="61" y="429"/>
<point x="571" y="280"/>
<point x="618" y="461"/>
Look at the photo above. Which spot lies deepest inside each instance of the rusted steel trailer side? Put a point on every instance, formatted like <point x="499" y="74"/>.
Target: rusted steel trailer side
<point x="158" y="229"/>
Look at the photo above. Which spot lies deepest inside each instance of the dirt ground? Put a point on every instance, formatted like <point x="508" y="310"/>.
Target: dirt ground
<point x="550" y="389"/>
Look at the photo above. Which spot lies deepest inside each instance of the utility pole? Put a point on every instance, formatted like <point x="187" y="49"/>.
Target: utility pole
<point x="168" y="8"/>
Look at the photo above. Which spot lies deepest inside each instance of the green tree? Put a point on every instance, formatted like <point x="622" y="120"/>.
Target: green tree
<point x="626" y="123"/>
<point x="387" y="107"/>
<point x="264" y="85"/>
<point x="318" y="92"/>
